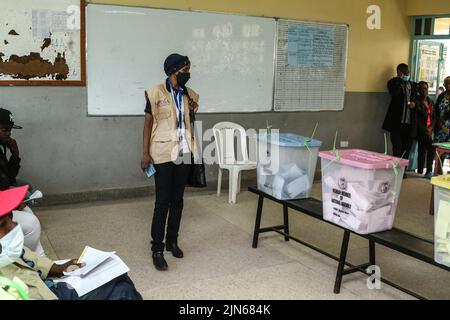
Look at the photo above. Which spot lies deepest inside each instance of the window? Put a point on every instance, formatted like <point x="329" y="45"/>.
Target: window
<point x="430" y="51"/>
<point x="431" y="26"/>
<point x="442" y="26"/>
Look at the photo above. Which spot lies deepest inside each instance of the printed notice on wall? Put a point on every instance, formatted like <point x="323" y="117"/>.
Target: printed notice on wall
<point x="46" y="22"/>
<point x="310" y="46"/>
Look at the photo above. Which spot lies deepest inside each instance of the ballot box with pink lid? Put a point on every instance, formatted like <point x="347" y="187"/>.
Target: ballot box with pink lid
<point x="442" y="219"/>
<point x="286" y="165"/>
<point x="360" y="189"/>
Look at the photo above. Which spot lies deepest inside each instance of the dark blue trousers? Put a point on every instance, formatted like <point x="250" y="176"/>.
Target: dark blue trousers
<point x="121" y="288"/>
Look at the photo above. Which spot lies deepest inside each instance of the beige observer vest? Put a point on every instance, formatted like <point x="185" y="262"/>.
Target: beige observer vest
<point x="164" y="146"/>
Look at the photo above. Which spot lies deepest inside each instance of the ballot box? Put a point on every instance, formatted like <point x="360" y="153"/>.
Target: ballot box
<point x="442" y="219"/>
<point x="286" y="165"/>
<point x="360" y="189"/>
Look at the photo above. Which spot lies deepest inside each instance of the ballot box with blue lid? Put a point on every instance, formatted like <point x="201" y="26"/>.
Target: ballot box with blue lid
<point x="286" y="165"/>
<point x="360" y="189"/>
<point x="442" y="219"/>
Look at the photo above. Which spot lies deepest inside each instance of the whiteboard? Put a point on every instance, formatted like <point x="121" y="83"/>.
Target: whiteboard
<point x="311" y="66"/>
<point x="232" y="58"/>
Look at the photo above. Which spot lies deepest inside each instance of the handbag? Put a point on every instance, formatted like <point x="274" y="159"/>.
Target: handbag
<point x="197" y="175"/>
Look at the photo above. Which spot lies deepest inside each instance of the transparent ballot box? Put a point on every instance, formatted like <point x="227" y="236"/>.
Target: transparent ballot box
<point x="286" y="165"/>
<point x="442" y="219"/>
<point x="360" y="189"/>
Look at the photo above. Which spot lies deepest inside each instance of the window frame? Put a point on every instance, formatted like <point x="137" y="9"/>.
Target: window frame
<point x="414" y="38"/>
<point x="431" y="36"/>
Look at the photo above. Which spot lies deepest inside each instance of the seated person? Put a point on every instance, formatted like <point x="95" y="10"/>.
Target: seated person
<point x="29" y="223"/>
<point x="10" y="167"/>
<point x="36" y="272"/>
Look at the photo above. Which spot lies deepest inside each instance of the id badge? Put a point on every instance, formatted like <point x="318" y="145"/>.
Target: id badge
<point x="150" y="170"/>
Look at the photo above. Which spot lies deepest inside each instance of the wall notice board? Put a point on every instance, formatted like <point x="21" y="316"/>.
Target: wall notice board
<point x="42" y="42"/>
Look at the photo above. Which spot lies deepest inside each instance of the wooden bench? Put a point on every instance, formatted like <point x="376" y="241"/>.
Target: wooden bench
<point x="395" y="239"/>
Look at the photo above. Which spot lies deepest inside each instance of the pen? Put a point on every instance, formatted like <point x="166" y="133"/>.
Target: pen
<point x="82" y="254"/>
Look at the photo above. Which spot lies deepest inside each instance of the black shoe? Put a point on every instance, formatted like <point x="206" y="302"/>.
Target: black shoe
<point x="176" y="251"/>
<point x="159" y="261"/>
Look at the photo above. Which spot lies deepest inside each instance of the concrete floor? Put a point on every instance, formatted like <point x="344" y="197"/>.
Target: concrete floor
<point x="219" y="262"/>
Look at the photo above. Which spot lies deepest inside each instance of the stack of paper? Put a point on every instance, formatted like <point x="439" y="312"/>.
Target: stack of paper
<point x="92" y="258"/>
<point x="101" y="267"/>
<point x="290" y="182"/>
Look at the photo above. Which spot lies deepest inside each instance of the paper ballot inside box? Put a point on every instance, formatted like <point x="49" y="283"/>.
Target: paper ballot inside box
<point x="443" y="220"/>
<point x="360" y="199"/>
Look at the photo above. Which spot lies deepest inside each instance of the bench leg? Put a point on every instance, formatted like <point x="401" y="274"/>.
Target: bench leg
<point x="286" y="221"/>
<point x="372" y="259"/>
<point x="432" y="201"/>
<point x="258" y="221"/>
<point x="343" y="256"/>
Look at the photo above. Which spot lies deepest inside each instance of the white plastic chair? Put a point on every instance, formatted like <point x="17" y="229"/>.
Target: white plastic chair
<point x="224" y="133"/>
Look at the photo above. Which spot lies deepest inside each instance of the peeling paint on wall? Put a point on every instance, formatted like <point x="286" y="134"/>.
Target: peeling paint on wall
<point x="34" y="66"/>
<point x="46" y="44"/>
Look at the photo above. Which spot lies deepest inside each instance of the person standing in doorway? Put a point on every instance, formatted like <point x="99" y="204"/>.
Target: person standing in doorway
<point x="400" y="119"/>
<point x="169" y="145"/>
<point x="425" y="126"/>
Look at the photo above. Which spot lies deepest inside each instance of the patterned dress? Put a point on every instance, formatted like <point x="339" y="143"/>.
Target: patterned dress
<point x="444" y="113"/>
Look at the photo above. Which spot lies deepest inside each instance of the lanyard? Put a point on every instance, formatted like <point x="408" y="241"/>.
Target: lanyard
<point x="178" y="99"/>
<point x="5" y="282"/>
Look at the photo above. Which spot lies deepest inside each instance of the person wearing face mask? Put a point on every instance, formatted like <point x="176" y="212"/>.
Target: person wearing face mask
<point x="400" y="117"/>
<point x="426" y="121"/>
<point x="29" y="223"/>
<point x="168" y="144"/>
<point x="442" y="109"/>
<point x="9" y="169"/>
<point x="17" y="261"/>
<point x="10" y="166"/>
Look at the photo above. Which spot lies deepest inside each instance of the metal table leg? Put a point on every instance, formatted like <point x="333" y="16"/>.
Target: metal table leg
<point x="342" y="257"/>
<point x="286" y="221"/>
<point x="372" y="252"/>
<point x="258" y="221"/>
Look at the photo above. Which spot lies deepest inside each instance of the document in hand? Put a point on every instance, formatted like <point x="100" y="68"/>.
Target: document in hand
<point x="87" y="280"/>
<point x="92" y="258"/>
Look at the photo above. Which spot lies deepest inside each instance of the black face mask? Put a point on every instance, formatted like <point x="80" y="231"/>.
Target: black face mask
<point x="183" y="78"/>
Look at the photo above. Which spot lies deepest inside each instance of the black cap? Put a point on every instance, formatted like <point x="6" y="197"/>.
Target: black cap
<point x="7" y="119"/>
<point x="175" y="62"/>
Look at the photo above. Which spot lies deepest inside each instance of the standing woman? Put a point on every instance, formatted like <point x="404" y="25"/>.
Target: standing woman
<point x="442" y="109"/>
<point x="169" y="144"/>
<point x="425" y="125"/>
